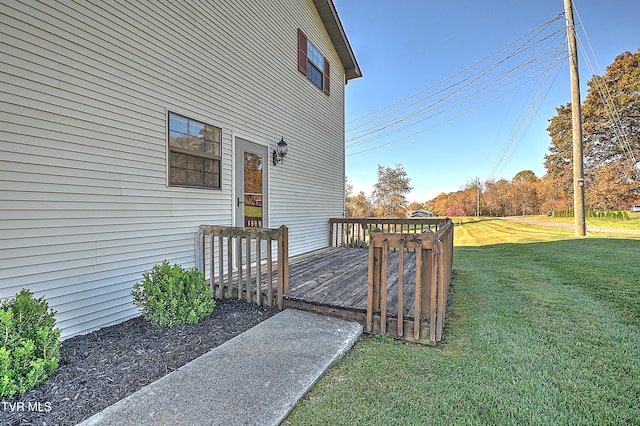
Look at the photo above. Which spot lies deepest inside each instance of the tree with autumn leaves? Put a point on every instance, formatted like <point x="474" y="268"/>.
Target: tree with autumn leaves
<point x="611" y="134"/>
<point x="524" y="194"/>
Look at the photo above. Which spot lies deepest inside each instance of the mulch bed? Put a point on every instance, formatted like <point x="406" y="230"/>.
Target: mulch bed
<point x="100" y="368"/>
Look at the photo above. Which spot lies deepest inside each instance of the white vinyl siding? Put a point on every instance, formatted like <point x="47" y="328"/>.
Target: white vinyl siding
<point x="85" y="91"/>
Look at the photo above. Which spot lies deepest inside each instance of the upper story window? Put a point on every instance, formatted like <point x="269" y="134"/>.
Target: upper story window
<point x="195" y="153"/>
<point x="312" y="63"/>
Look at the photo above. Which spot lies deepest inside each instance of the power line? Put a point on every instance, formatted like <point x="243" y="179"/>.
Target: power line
<point x="471" y="85"/>
<point x="478" y="81"/>
<point x="433" y="127"/>
<point x="480" y="92"/>
<point x="539" y="29"/>
<point x="504" y="158"/>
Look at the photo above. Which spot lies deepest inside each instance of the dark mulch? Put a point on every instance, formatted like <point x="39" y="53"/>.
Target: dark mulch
<point x="102" y="367"/>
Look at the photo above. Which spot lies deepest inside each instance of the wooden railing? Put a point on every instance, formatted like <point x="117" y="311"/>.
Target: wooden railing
<point x="355" y="232"/>
<point x="433" y="267"/>
<point x="238" y="260"/>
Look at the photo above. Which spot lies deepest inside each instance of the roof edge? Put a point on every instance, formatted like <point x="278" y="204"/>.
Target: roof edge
<point x="327" y="11"/>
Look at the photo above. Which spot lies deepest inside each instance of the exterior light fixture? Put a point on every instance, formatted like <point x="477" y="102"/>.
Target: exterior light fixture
<point x="280" y="152"/>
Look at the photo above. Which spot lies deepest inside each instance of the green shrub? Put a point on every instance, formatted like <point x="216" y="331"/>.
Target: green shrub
<point x="171" y="295"/>
<point x="564" y="213"/>
<point x="358" y="242"/>
<point x="30" y="344"/>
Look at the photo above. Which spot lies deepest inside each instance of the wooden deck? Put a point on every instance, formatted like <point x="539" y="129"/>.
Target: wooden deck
<point x="333" y="281"/>
<point x="354" y="283"/>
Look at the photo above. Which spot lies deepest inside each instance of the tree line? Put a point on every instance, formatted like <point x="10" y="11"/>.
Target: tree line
<point x="611" y="147"/>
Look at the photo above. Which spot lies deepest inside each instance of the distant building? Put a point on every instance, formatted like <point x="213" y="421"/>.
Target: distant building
<point x="422" y="213"/>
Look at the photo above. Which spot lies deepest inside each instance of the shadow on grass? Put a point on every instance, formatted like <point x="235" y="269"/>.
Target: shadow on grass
<point x="606" y="268"/>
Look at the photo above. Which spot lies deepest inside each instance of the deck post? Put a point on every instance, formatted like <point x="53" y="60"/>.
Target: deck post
<point x="383" y="286"/>
<point x="331" y="225"/>
<point x="401" y="288"/>
<point x="434" y="278"/>
<point x="280" y="292"/>
<point x="442" y="292"/>
<point x="285" y="256"/>
<point x="418" y="292"/>
<point x="219" y="261"/>
<point x="269" y="272"/>
<point x="212" y="280"/>
<point x="259" y="271"/>
<point x="229" y="265"/>
<point x="369" y="321"/>
<point x="283" y="264"/>
<point x="248" y="296"/>
<point x="377" y="267"/>
<point x="239" y="263"/>
<point x="427" y="279"/>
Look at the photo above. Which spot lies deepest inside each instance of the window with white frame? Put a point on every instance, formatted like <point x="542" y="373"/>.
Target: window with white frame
<point x="312" y="63"/>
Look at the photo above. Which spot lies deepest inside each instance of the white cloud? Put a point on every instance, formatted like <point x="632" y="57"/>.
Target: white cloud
<point x="365" y="187"/>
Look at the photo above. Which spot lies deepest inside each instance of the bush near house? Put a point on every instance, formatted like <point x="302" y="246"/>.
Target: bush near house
<point x="30" y="344"/>
<point x="171" y="295"/>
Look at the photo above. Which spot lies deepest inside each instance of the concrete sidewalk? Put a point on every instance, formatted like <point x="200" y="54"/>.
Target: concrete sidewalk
<point x="254" y="379"/>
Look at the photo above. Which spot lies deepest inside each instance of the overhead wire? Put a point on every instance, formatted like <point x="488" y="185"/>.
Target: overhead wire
<point x="434" y="126"/>
<point x="482" y="88"/>
<point x="471" y="85"/>
<point x="486" y="58"/>
<point x="504" y="159"/>
<point x="382" y="126"/>
<point x="479" y="92"/>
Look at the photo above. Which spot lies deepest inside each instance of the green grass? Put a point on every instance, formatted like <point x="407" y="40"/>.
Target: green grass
<point x="253" y="211"/>
<point x="543" y="328"/>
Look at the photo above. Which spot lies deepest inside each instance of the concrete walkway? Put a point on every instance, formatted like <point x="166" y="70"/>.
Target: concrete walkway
<point x="254" y="379"/>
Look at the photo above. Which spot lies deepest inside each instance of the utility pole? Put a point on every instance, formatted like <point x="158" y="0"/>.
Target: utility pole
<point x="477" y="197"/>
<point x="576" y="116"/>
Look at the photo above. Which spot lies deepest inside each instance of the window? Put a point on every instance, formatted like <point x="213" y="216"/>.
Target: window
<point x="312" y="63"/>
<point x="194" y="153"/>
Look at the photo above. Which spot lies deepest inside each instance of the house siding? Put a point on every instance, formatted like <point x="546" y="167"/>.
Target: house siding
<point x="85" y="90"/>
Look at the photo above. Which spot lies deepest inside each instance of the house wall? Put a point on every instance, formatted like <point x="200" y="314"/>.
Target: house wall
<point x="85" y="90"/>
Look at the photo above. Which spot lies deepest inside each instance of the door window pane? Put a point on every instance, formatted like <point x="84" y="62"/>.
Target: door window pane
<point x="253" y="179"/>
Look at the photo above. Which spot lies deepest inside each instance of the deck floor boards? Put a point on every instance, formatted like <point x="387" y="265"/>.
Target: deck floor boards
<point x="337" y="277"/>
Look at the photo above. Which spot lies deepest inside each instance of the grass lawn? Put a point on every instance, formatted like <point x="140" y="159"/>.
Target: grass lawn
<point x="543" y="328"/>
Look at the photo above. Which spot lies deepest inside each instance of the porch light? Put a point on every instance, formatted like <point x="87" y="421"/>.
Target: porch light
<point x="280" y="152"/>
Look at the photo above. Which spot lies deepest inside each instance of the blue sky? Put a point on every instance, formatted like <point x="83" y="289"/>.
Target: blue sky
<point x="488" y="75"/>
